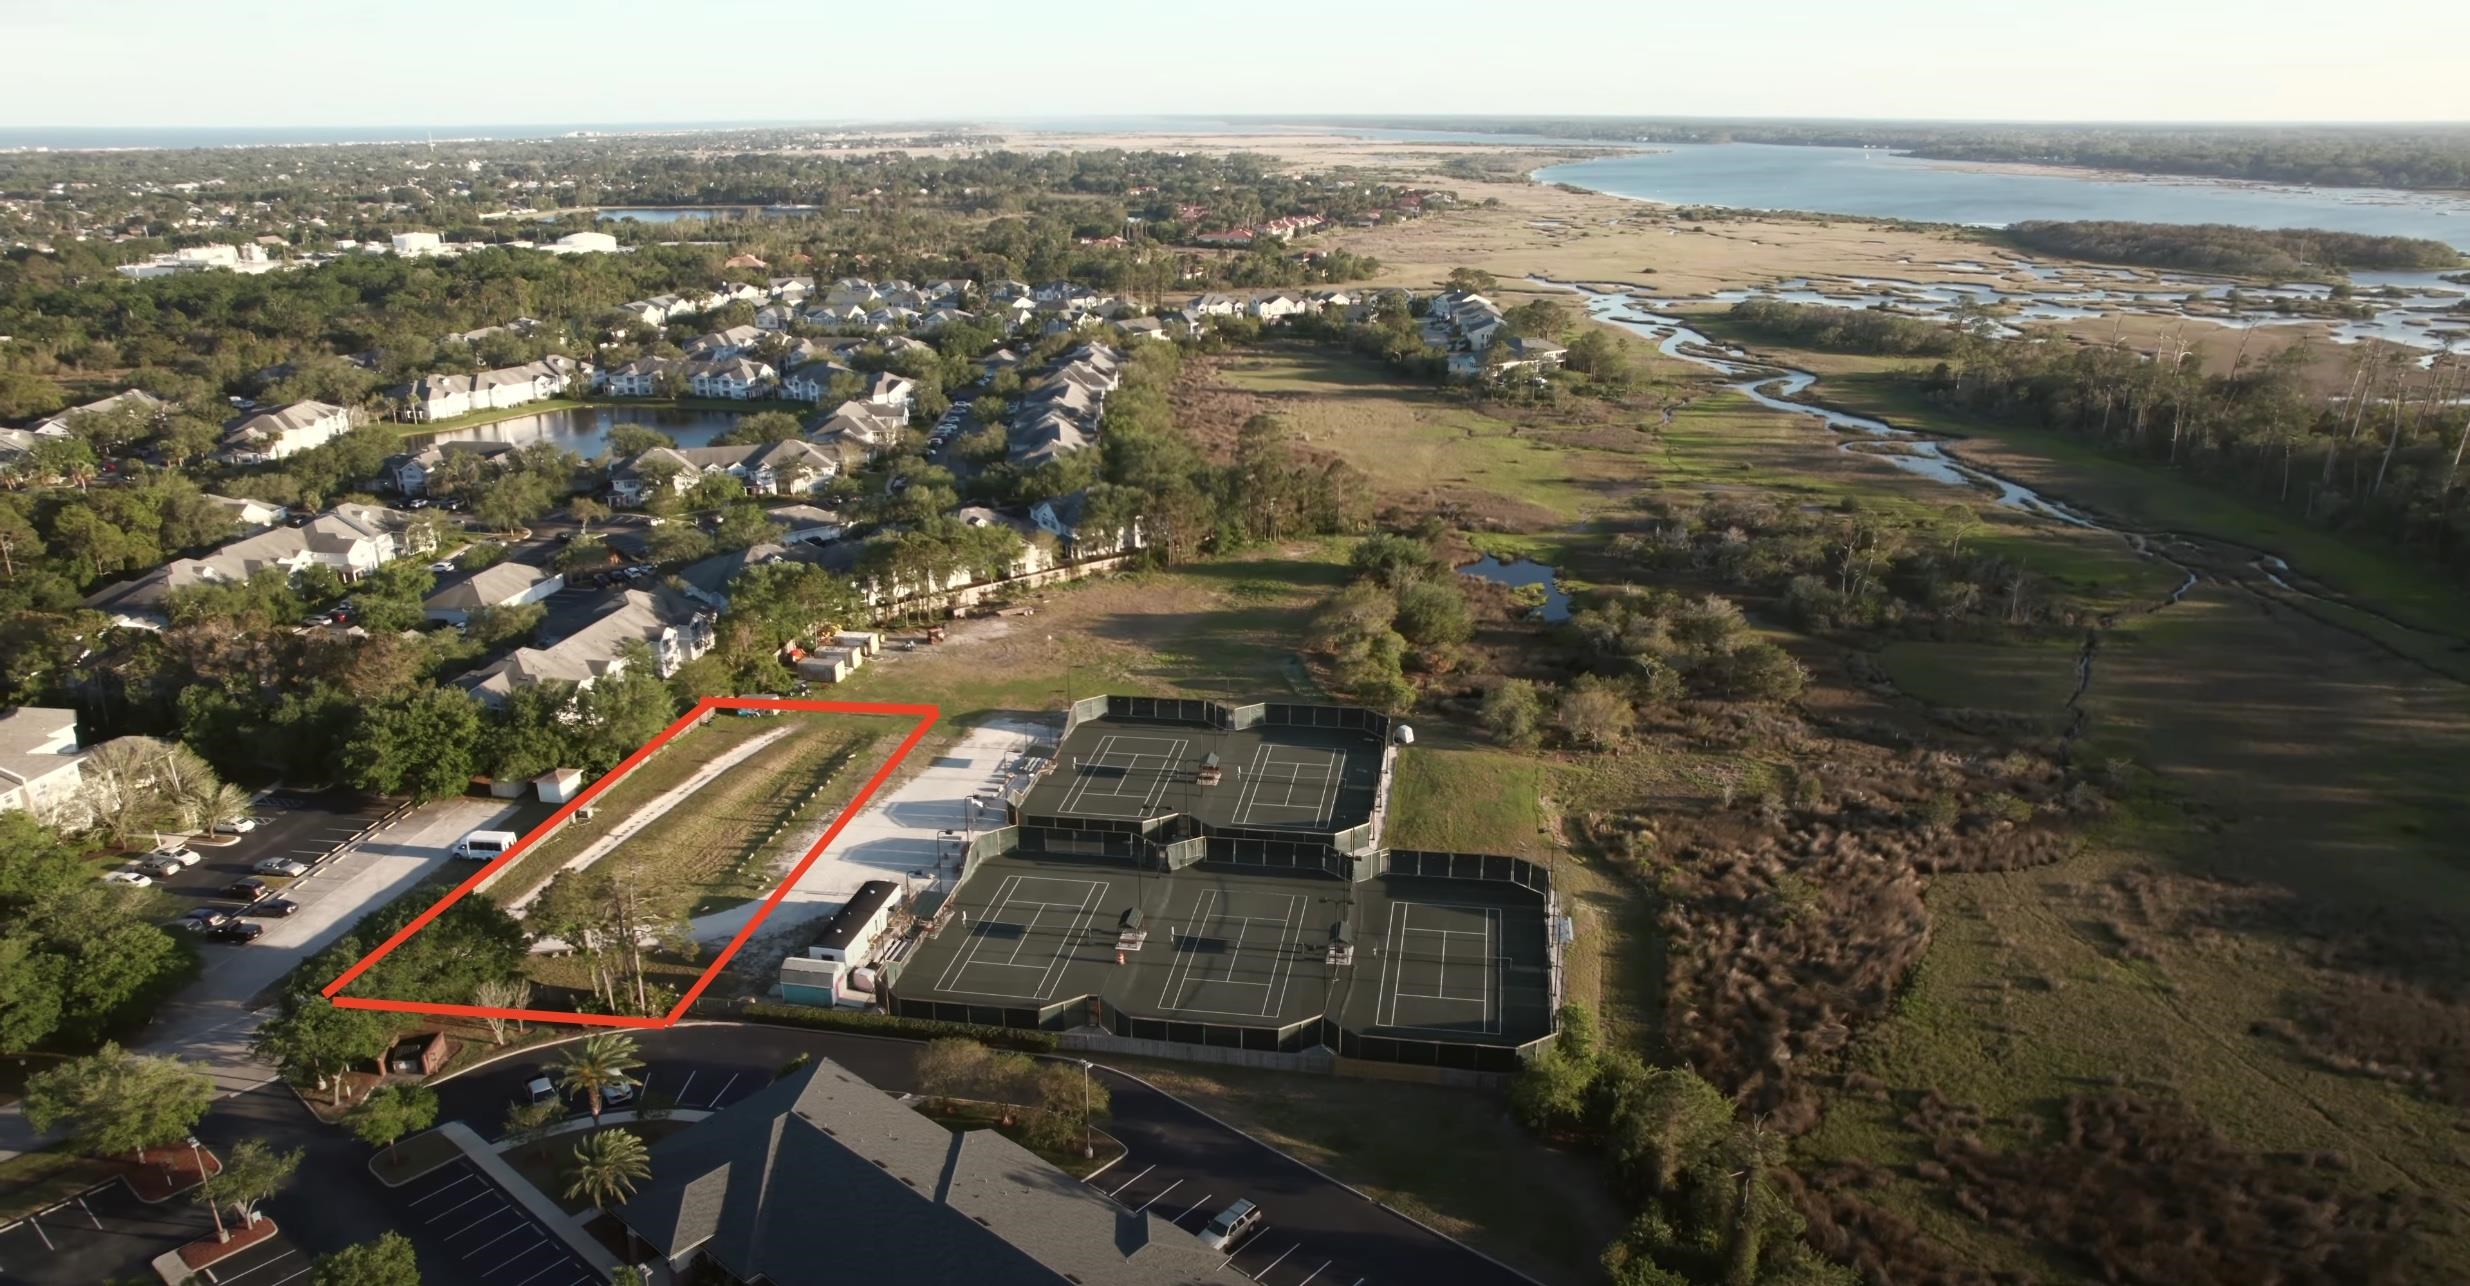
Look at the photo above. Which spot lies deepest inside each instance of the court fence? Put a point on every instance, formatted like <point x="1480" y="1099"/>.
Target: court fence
<point x="1226" y="718"/>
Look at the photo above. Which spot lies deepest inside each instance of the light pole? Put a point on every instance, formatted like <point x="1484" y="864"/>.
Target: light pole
<point x="1089" y="1150"/>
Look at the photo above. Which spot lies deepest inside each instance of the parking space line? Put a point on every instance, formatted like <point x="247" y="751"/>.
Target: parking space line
<point x="457" y="1206"/>
<point x="1154" y="1200"/>
<point x="538" y="1240"/>
<point x="444" y="1189"/>
<point x="503" y="1209"/>
<point x="525" y="1282"/>
<point x="725" y="1088"/>
<point x="1133" y="1180"/>
<point x="1307" y="1281"/>
<point x="1263" y="1275"/>
<point x="682" y="1089"/>
<point x="1190" y="1208"/>
<point x="287" y="1253"/>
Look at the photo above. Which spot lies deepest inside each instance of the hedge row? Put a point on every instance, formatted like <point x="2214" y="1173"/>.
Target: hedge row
<point x="874" y="1024"/>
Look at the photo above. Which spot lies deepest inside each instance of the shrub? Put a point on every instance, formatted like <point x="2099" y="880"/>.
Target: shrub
<point x="893" y="1025"/>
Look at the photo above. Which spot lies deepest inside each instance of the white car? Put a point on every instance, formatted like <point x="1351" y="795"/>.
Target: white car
<point x="160" y="865"/>
<point x="176" y="854"/>
<point x="280" y="866"/>
<point x="445" y="565"/>
<point x="236" y="826"/>
<point x="128" y="875"/>
<point x="1231" y="1225"/>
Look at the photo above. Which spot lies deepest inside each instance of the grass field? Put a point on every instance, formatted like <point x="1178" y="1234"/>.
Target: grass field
<point x="2281" y="754"/>
<point x="663" y="772"/>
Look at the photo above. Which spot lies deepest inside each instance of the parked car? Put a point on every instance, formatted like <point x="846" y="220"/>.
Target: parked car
<point x="281" y="866"/>
<point x="540" y="1089"/>
<point x="236" y="931"/>
<point x="614" y="1096"/>
<point x="247" y="890"/>
<point x="202" y="918"/>
<point x="162" y="866"/>
<point x="442" y="565"/>
<point x="1232" y="1225"/>
<point x="274" y="907"/>
<point x="128" y="875"/>
<point x="178" y="853"/>
<point x="240" y="825"/>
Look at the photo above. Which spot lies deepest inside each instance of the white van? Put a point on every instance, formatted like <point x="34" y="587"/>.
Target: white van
<point x="484" y="846"/>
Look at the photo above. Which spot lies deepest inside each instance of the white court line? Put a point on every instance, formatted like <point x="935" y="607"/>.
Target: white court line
<point x="1055" y="967"/>
<point x="1275" y="1007"/>
<point x="960" y="963"/>
<point x="1183" y="949"/>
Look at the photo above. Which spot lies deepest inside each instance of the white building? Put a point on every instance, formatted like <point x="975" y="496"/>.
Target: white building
<point x="39" y="760"/>
<point x="418" y="243"/>
<point x="285" y="431"/>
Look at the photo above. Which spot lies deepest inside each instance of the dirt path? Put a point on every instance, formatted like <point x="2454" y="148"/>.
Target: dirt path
<point x="652" y="811"/>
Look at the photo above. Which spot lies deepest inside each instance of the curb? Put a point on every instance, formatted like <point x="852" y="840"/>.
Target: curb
<point x="1318" y="1172"/>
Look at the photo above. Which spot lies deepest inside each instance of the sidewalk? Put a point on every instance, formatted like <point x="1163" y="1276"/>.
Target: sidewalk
<point x="519" y="1190"/>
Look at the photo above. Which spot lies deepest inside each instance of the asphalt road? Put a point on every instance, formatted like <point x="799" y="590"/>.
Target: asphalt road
<point x="1178" y="1161"/>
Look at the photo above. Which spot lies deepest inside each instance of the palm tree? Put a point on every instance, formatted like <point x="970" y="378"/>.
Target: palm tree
<point x="597" y="1064"/>
<point x="608" y="1165"/>
<point x="223" y="802"/>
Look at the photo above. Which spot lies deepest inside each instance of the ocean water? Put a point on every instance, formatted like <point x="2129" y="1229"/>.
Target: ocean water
<point x="1843" y="180"/>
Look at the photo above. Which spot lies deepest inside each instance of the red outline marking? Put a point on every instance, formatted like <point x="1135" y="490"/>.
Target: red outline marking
<point x="925" y="715"/>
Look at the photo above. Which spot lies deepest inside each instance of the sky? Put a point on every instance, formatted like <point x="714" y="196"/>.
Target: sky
<point x="474" y="62"/>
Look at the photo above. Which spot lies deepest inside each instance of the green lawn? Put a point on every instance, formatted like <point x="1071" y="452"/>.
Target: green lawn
<point x="1468" y="801"/>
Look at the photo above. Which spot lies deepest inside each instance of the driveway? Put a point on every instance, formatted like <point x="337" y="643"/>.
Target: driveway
<point x="906" y="833"/>
<point x="212" y="1019"/>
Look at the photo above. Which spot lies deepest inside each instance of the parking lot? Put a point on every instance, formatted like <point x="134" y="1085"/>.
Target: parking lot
<point x="306" y="828"/>
<point x="480" y="1099"/>
<point x="456" y="1215"/>
<point x="99" y="1237"/>
<point x="1270" y="1253"/>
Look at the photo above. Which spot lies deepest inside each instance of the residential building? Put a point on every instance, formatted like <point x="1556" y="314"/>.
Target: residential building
<point x="736" y="378"/>
<point x="409" y="473"/>
<point x="891" y="391"/>
<point x="641" y="377"/>
<point x="418" y="243"/>
<point x="867" y="424"/>
<point x="506" y="584"/>
<point x="441" y="397"/>
<point x="354" y="540"/>
<point x="735" y="1196"/>
<point x="286" y="431"/>
<point x="57" y="426"/>
<point x="1063" y="517"/>
<point x="787" y="468"/>
<point x="723" y="344"/>
<point x="812" y="381"/>
<point x="674" y="627"/>
<point x="256" y="515"/>
<point x="807" y="524"/>
<point x="583" y="243"/>
<point x="39" y="760"/>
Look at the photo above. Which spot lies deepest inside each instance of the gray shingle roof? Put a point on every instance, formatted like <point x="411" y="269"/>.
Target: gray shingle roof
<point x="821" y="1177"/>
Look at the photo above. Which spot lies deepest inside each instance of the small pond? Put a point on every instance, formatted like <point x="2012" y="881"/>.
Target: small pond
<point x="1524" y="571"/>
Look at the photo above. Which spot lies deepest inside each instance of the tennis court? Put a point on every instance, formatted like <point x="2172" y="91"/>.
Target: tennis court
<point x="1210" y="954"/>
<point x="1309" y="780"/>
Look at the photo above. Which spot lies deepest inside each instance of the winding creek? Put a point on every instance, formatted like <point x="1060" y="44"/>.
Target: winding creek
<point x="1779" y="388"/>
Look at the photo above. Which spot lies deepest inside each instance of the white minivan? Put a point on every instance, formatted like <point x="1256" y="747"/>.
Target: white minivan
<point x="484" y="846"/>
